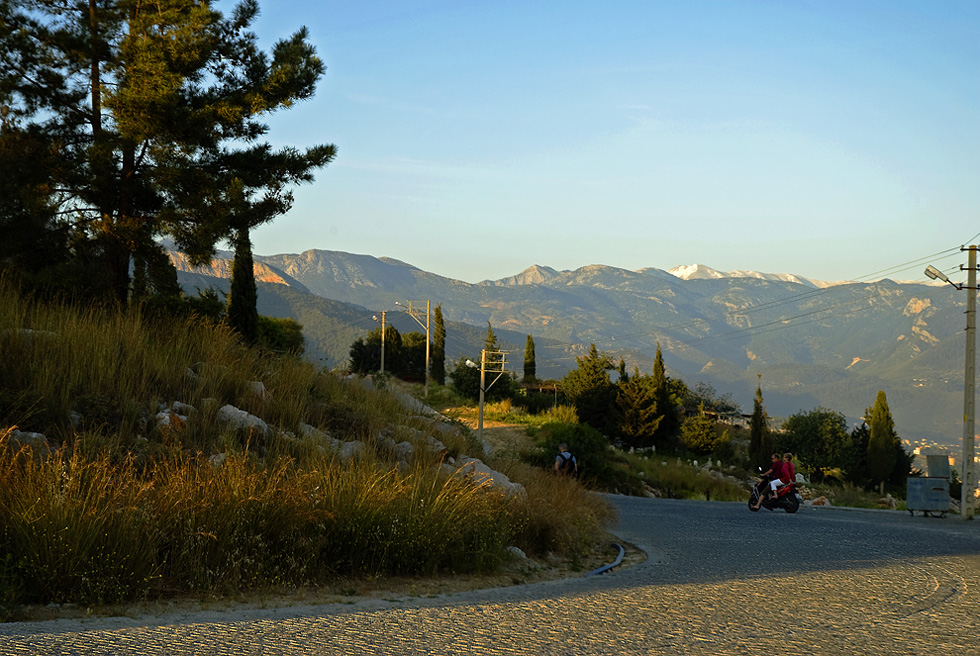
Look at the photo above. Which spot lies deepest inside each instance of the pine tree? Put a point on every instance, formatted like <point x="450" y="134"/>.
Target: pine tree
<point x="637" y="403"/>
<point x="438" y="371"/>
<point x="149" y="113"/>
<point x="530" y="367"/>
<point x="882" y="441"/>
<point x="490" y="342"/>
<point x="591" y="392"/>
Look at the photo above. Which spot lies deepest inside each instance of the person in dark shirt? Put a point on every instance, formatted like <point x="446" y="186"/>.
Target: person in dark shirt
<point x="565" y="462"/>
<point x="776" y="472"/>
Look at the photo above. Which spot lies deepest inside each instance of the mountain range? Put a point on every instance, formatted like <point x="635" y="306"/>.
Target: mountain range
<point x="807" y="343"/>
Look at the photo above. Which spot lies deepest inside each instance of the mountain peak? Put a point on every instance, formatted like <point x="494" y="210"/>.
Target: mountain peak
<point x="702" y="272"/>
<point x="533" y="275"/>
<point x="696" y="272"/>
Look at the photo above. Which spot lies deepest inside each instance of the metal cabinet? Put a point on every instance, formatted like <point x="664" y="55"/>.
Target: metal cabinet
<point x="929" y="494"/>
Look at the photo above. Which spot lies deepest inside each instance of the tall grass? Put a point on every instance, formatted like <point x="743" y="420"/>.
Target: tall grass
<point x="95" y="531"/>
<point x="683" y="481"/>
<point x="114" y="506"/>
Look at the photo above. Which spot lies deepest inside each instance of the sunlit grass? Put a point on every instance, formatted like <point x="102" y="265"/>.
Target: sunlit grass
<point x="681" y="480"/>
<point x="115" y="505"/>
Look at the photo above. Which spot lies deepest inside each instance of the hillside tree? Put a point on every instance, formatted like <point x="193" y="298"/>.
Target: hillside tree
<point x="438" y="366"/>
<point x="666" y="405"/>
<point x="761" y="444"/>
<point x="700" y="433"/>
<point x="636" y="402"/>
<point x="490" y="342"/>
<point x="150" y="115"/>
<point x="242" y="313"/>
<point x="530" y="366"/>
<point x="591" y="392"/>
<point x="882" y="441"/>
<point x="820" y="441"/>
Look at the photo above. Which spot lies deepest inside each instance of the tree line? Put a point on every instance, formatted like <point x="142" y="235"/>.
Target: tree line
<point x="659" y="412"/>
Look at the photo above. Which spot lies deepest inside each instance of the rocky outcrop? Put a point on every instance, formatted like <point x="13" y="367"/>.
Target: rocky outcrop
<point x="475" y="470"/>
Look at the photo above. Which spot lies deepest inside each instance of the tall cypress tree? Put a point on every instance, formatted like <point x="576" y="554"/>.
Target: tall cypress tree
<point x="438" y="370"/>
<point x="669" y="423"/>
<point x="759" y="442"/>
<point x="242" y="313"/>
<point x="882" y="441"/>
<point x="530" y="367"/>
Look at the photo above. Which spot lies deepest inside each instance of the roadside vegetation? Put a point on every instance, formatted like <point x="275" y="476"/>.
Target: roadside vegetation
<point x="654" y="435"/>
<point x="123" y="480"/>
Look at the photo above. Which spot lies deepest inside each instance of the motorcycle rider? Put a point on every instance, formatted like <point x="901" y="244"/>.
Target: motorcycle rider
<point x="785" y="477"/>
<point x="776" y="471"/>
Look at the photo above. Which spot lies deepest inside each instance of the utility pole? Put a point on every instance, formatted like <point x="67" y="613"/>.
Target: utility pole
<point x="494" y="362"/>
<point x="969" y="382"/>
<point x="968" y="477"/>
<point x="415" y="312"/>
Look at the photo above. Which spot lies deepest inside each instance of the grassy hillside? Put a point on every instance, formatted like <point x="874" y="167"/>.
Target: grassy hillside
<point x="149" y="455"/>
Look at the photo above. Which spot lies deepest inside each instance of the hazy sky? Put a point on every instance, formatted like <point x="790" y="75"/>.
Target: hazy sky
<point x="828" y="139"/>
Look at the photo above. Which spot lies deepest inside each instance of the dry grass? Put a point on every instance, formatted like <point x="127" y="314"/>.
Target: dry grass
<point x="114" y="506"/>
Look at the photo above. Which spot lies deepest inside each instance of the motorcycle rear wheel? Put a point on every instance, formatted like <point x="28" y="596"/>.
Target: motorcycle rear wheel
<point x="792" y="504"/>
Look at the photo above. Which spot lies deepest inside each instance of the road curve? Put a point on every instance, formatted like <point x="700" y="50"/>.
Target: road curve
<point x="718" y="580"/>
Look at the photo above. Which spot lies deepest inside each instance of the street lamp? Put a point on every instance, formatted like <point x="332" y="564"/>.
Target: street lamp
<point x="936" y="274"/>
<point x="382" y="322"/>
<point x="414" y="312"/>
<point x="969" y="380"/>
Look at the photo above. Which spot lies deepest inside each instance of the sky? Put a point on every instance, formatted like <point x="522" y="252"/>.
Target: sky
<point x="830" y="139"/>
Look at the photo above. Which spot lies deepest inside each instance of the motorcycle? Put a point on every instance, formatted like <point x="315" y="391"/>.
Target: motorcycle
<point x="786" y="497"/>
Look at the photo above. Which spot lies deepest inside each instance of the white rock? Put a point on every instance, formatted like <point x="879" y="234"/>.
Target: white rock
<point x="352" y="450"/>
<point x="37" y="441"/>
<point x="483" y="475"/>
<point x="518" y="552"/>
<point x="184" y="409"/>
<point x="258" y="389"/>
<point x="403" y="450"/>
<point x="236" y="418"/>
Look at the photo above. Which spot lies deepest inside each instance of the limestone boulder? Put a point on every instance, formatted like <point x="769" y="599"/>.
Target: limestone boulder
<point x="481" y="474"/>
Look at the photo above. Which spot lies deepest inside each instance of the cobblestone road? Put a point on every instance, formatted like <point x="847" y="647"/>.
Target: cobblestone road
<point x="719" y="580"/>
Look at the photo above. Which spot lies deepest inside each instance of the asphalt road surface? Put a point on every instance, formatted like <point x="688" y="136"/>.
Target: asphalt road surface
<point x="718" y="580"/>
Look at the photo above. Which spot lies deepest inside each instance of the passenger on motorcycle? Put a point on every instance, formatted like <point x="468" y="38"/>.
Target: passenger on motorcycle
<point x="776" y="472"/>
<point x="789" y="470"/>
<point x="787" y="476"/>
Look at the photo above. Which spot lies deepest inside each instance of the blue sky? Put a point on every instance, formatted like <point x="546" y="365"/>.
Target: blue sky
<point x="829" y="139"/>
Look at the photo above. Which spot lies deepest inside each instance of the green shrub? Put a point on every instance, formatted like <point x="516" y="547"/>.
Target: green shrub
<point x="590" y="448"/>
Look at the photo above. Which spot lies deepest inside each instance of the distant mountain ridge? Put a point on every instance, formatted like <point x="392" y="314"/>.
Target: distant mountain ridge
<point x="813" y="343"/>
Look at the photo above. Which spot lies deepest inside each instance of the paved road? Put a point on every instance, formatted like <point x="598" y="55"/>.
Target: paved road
<point x="719" y="580"/>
